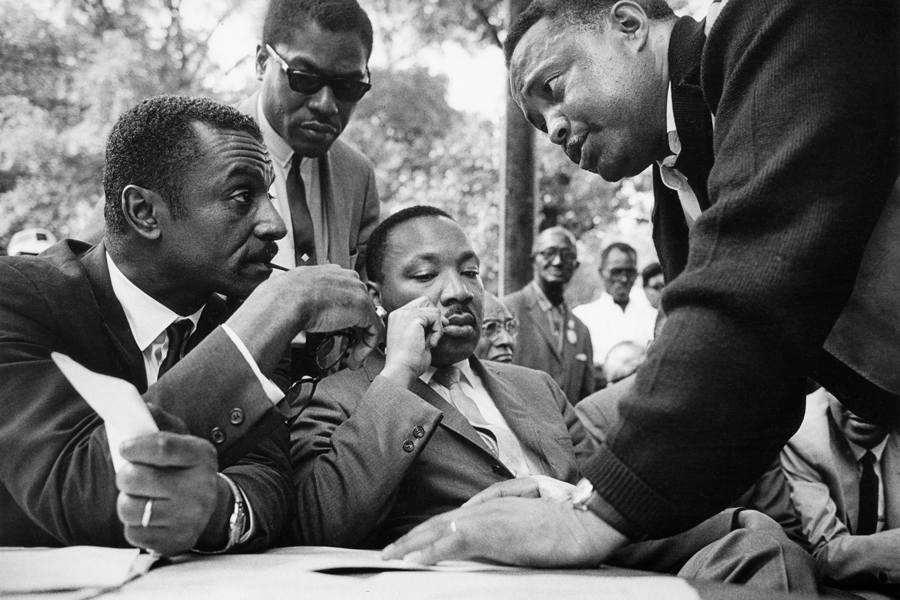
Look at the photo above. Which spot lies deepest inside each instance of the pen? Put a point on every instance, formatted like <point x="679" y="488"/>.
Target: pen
<point x="277" y="267"/>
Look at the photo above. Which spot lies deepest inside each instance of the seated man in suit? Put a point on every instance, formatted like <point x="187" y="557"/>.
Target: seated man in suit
<point x="426" y="425"/>
<point x="551" y="338"/>
<point x="188" y="218"/>
<point x="844" y="475"/>
<point x="498" y="331"/>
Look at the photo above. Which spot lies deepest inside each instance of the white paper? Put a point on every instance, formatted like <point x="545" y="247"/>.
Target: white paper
<point x="116" y="401"/>
<point x="73" y="568"/>
<point x="327" y="559"/>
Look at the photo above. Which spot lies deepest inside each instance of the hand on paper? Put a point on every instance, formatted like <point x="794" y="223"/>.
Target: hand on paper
<point x="517" y="531"/>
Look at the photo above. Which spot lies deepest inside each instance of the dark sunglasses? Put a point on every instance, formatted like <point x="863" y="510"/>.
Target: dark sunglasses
<point x="344" y="88"/>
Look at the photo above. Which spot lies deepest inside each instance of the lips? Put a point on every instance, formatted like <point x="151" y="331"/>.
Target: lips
<point x="460" y="323"/>
<point x="319" y="128"/>
<point x="265" y="254"/>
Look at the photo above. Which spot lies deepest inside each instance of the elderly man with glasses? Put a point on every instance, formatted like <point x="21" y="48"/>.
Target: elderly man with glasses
<point x="551" y="337"/>
<point x="498" y="331"/>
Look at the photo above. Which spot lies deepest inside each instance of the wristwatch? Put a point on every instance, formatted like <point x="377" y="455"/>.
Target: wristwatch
<point x="237" y="522"/>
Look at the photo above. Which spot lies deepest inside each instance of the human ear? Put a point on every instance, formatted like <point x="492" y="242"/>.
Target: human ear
<point x="629" y="19"/>
<point x="374" y="289"/>
<point x="141" y="209"/>
<point x="261" y="57"/>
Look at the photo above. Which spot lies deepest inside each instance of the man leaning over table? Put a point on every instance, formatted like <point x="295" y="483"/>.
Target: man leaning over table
<point x="427" y="426"/>
<point x="188" y="218"/>
<point x="781" y="139"/>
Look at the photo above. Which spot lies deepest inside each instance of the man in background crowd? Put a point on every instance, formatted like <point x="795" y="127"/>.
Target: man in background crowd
<point x="614" y="317"/>
<point x="551" y="338"/>
<point x="188" y="218"/>
<point x="844" y="475"/>
<point x="498" y="331"/>
<point x="653" y="281"/>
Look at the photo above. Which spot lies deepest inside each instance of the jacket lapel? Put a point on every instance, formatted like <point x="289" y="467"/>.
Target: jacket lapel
<point x="452" y="419"/>
<point x="511" y="405"/>
<point x="128" y="355"/>
<point x="692" y="115"/>
<point x="540" y="320"/>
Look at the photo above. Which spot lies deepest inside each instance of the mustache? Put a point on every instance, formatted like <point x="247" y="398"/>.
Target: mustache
<point x="264" y="254"/>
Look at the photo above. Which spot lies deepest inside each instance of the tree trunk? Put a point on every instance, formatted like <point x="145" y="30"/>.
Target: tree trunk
<point x="520" y="190"/>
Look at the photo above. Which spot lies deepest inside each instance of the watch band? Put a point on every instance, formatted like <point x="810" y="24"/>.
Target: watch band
<point x="236" y="522"/>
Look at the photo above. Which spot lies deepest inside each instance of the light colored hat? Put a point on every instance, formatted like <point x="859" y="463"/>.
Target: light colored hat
<point x="30" y="242"/>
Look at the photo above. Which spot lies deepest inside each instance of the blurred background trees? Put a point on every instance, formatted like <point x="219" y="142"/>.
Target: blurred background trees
<point x="68" y="68"/>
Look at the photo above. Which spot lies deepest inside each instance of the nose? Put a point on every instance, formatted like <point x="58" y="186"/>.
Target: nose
<point x="269" y="224"/>
<point x="558" y="130"/>
<point x="455" y="290"/>
<point x="324" y="102"/>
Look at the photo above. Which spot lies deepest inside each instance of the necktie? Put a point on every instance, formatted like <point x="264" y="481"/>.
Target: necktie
<point x="502" y="443"/>
<point x="177" y="333"/>
<point x="868" y="496"/>
<point x="301" y="220"/>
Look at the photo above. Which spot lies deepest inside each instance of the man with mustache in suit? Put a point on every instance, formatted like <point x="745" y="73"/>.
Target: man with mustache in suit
<point x="425" y="426"/>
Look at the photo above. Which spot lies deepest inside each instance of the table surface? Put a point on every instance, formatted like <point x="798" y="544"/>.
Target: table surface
<point x="285" y="573"/>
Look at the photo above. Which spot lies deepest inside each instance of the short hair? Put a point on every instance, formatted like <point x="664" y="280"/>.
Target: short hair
<point x="154" y="144"/>
<point x="377" y="246"/>
<point x="574" y="13"/>
<point x="555" y="229"/>
<point x="621" y="247"/>
<point x="284" y="17"/>
<point x="649" y="272"/>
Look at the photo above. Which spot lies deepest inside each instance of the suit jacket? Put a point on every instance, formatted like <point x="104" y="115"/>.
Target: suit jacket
<point x="536" y="348"/>
<point x="822" y="471"/>
<point x="349" y="199"/>
<point x="57" y="483"/>
<point x="372" y="459"/>
<point x="793" y="180"/>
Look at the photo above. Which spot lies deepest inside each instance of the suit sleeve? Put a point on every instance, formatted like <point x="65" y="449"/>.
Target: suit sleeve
<point x="56" y="444"/>
<point x="840" y="557"/>
<point x="588" y="381"/>
<point x="371" y="216"/>
<point x="350" y="450"/>
<point x="582" y="443"/>
<point x="806" y="105"/>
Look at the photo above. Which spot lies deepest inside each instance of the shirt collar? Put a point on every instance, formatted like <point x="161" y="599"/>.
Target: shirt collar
<point x="859" y="451"/>
<point x="147" y="318"/>
<point x="542" y="299"/>
<point x="463" y="365"/>
<point x="278" y="147"/>
<point x="671" y="132"/>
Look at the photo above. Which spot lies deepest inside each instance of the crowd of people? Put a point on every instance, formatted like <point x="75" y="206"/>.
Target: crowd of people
<point x="323" y="376"/>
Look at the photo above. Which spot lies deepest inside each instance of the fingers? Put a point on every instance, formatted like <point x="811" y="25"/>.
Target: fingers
<point x="165" y="449"/>
<point x="432" y="539"/>
<point x="166" y="421"/>
<point x="523" y="487"/>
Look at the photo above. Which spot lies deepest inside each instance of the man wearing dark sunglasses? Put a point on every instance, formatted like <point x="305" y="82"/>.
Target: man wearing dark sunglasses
<point x="312" y="63"/>
<point x="553" y="339"/>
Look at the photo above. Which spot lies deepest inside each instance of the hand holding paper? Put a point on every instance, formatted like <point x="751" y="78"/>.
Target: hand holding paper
<point x="167" y="481"/>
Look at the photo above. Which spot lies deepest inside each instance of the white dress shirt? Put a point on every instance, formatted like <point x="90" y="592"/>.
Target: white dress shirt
<point x="609" y="324"/>
<point x="474" y="389"/>
<point x="282" y="155"/>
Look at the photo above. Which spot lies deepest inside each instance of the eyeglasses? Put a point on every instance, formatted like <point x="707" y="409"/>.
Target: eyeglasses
<point x="492" y="329"/>
<point x="310" y="364"/>
<point x="622" y="272"/>
<point x="345" y="89"/>
<point x="565" y="254"/>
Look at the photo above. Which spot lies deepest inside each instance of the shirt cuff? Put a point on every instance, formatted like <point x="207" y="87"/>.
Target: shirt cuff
<point x="273" y="392"/>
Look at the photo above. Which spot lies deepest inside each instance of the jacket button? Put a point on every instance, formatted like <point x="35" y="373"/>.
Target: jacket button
<point x="237" y="416"/>
<point x="218" y="436"/>
<point x="408" y="446"/>
<point x="418" y="431"/>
